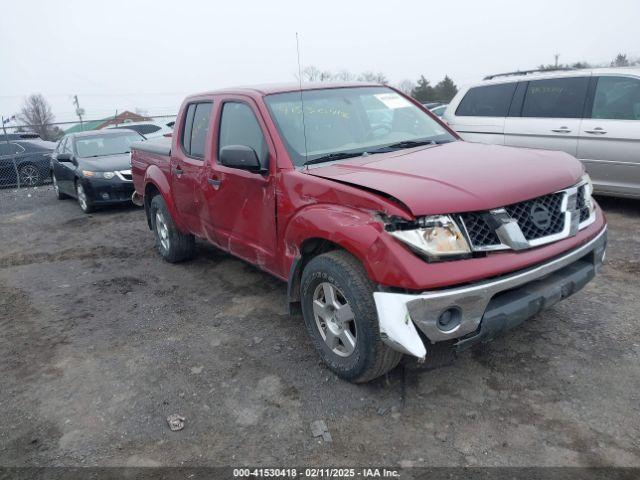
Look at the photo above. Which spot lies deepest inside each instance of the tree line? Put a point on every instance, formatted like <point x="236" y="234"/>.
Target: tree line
<point x="421" y="90"/>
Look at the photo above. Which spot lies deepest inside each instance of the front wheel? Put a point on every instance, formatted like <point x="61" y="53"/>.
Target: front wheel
<point x="340" y="316"/>
<point x="173" y="245"/>
<point x="83" y="200"/>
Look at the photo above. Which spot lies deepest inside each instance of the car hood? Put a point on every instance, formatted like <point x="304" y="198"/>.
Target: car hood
<point x="458" y="176"/>
<point x="107" y="163"/>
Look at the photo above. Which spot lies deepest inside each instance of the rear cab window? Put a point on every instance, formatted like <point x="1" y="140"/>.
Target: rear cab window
<point x="487" y="101"/>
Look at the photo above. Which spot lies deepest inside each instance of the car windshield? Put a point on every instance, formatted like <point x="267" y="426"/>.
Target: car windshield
<point x="101" y="145"/>
<point x="346" y="122"/>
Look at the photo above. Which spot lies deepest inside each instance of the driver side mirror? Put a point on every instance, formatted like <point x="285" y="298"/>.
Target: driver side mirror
<point x="66" y="157"/>
<point x="241" y="157"/>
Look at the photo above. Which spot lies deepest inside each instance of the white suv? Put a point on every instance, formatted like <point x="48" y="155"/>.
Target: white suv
<point x="592" y="114"/>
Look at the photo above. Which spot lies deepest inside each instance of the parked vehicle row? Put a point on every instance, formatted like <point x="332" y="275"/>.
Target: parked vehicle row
<point x="391" y="233"/>
<point x="593" y="115"/>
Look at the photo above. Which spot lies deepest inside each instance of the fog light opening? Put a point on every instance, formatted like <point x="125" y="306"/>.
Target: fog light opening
<point x="449" y="319"/>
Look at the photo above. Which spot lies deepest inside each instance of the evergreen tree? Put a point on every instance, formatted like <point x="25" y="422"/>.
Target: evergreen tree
<point x="445" y="90"/>
<point x="620" y="61"/>
<point x="423" y="91"/>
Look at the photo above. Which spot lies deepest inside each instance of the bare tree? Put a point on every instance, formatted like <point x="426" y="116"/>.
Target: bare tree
<point x="36" y="112"/>
<point x="344" y="76"/>
<point x="406" y="86"/>
<point x="373" y="77"/>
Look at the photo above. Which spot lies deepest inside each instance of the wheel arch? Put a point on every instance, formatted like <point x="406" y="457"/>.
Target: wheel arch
<point x="156" y="183"/>
<point x="323" y="228"/>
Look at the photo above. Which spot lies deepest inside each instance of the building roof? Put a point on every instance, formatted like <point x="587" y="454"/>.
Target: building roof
<point x="121" y="118"/>
<point x="84" y="126"/>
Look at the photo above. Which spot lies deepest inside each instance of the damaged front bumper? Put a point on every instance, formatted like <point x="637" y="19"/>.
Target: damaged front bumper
<point x="478" y="312"/>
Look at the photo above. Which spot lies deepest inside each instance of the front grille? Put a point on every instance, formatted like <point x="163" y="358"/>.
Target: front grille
<point x="480" y="233"/>
<point x="523" y="214"/>
<point x="483" y="236"/>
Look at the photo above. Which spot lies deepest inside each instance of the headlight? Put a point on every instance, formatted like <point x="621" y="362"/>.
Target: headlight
<point x="107" y="175"/>
<point x="588" y="193"/>
<point x="435" y="236"/>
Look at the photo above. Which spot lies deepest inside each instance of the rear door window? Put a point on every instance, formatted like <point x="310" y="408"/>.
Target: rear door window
<point x="196" y="126"/>
<point x="201" y="120"/>
<point x="617" y="98"/>
<point x="555" y="98"/>
<point x="487" y="101"/>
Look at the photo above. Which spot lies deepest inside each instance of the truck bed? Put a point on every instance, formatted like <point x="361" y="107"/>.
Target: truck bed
<point x="159" y="146"/>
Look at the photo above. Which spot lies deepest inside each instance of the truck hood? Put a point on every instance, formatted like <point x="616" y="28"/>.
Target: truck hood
<point x="458" y="176"/>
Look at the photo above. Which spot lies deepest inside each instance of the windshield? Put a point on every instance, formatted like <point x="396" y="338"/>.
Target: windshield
<point x="101" y="145"/>
<point x="343" y="122"/>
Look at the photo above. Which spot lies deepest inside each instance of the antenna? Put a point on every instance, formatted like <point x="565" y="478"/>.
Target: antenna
<point x="304" y="127"/>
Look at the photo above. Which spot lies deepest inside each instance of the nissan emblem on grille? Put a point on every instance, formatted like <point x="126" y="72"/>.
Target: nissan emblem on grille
<point x="540" y="216"/>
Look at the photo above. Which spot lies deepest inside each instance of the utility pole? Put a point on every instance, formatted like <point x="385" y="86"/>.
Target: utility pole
<point x="79" y="111"/>
<point x="557" y="55"/>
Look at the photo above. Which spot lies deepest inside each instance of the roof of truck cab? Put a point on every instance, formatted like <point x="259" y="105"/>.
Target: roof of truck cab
<point x="269" y="89"/>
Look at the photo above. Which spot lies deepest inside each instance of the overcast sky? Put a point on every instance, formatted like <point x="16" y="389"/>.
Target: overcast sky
<point x="149" y="54"/>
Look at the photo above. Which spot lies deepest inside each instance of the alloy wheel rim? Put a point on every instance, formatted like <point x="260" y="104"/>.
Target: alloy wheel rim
<point x="163" y="230"/>
<point x="29" y="175"/>
<point x="334" y="319"/>
<point x="82" y="197"/>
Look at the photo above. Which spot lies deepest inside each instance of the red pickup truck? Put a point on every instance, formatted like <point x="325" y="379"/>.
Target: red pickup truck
<point x="391" y="232"/>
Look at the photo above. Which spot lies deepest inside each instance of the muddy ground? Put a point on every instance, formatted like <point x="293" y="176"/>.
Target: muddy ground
<point x="100" y="341"/>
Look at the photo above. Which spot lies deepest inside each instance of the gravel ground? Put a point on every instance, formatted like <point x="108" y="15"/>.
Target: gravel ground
<point x="101" y="341"/>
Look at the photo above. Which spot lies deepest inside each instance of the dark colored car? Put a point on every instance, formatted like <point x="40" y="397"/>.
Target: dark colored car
<point x="24" y="156"/>
<point x="94" y="167"/>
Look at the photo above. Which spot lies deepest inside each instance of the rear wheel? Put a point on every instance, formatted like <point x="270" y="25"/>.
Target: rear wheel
<point x="83" y="200"/>
<point x="340" y="315"/>
<point x="173" y="245"/>
<point x="56" y="188"/>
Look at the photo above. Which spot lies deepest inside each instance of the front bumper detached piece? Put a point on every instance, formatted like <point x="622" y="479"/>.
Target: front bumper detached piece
<point x="478" y="312"/>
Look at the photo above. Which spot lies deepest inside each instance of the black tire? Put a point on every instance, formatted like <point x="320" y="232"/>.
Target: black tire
<point x="370" y="358"/>
<point x="175" y="246"/>
<point x="56" y="189"/>
<point x="83" y="199"/>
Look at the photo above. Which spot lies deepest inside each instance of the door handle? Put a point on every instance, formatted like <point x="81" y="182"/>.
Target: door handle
<point x="596" y="131"/>
<point x="177" y="170"/>
<point x="214" y="183"/>
<point x="561" y="130"/>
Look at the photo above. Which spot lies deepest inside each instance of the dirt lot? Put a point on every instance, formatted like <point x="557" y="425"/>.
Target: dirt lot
<point x="101" y="340"/>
